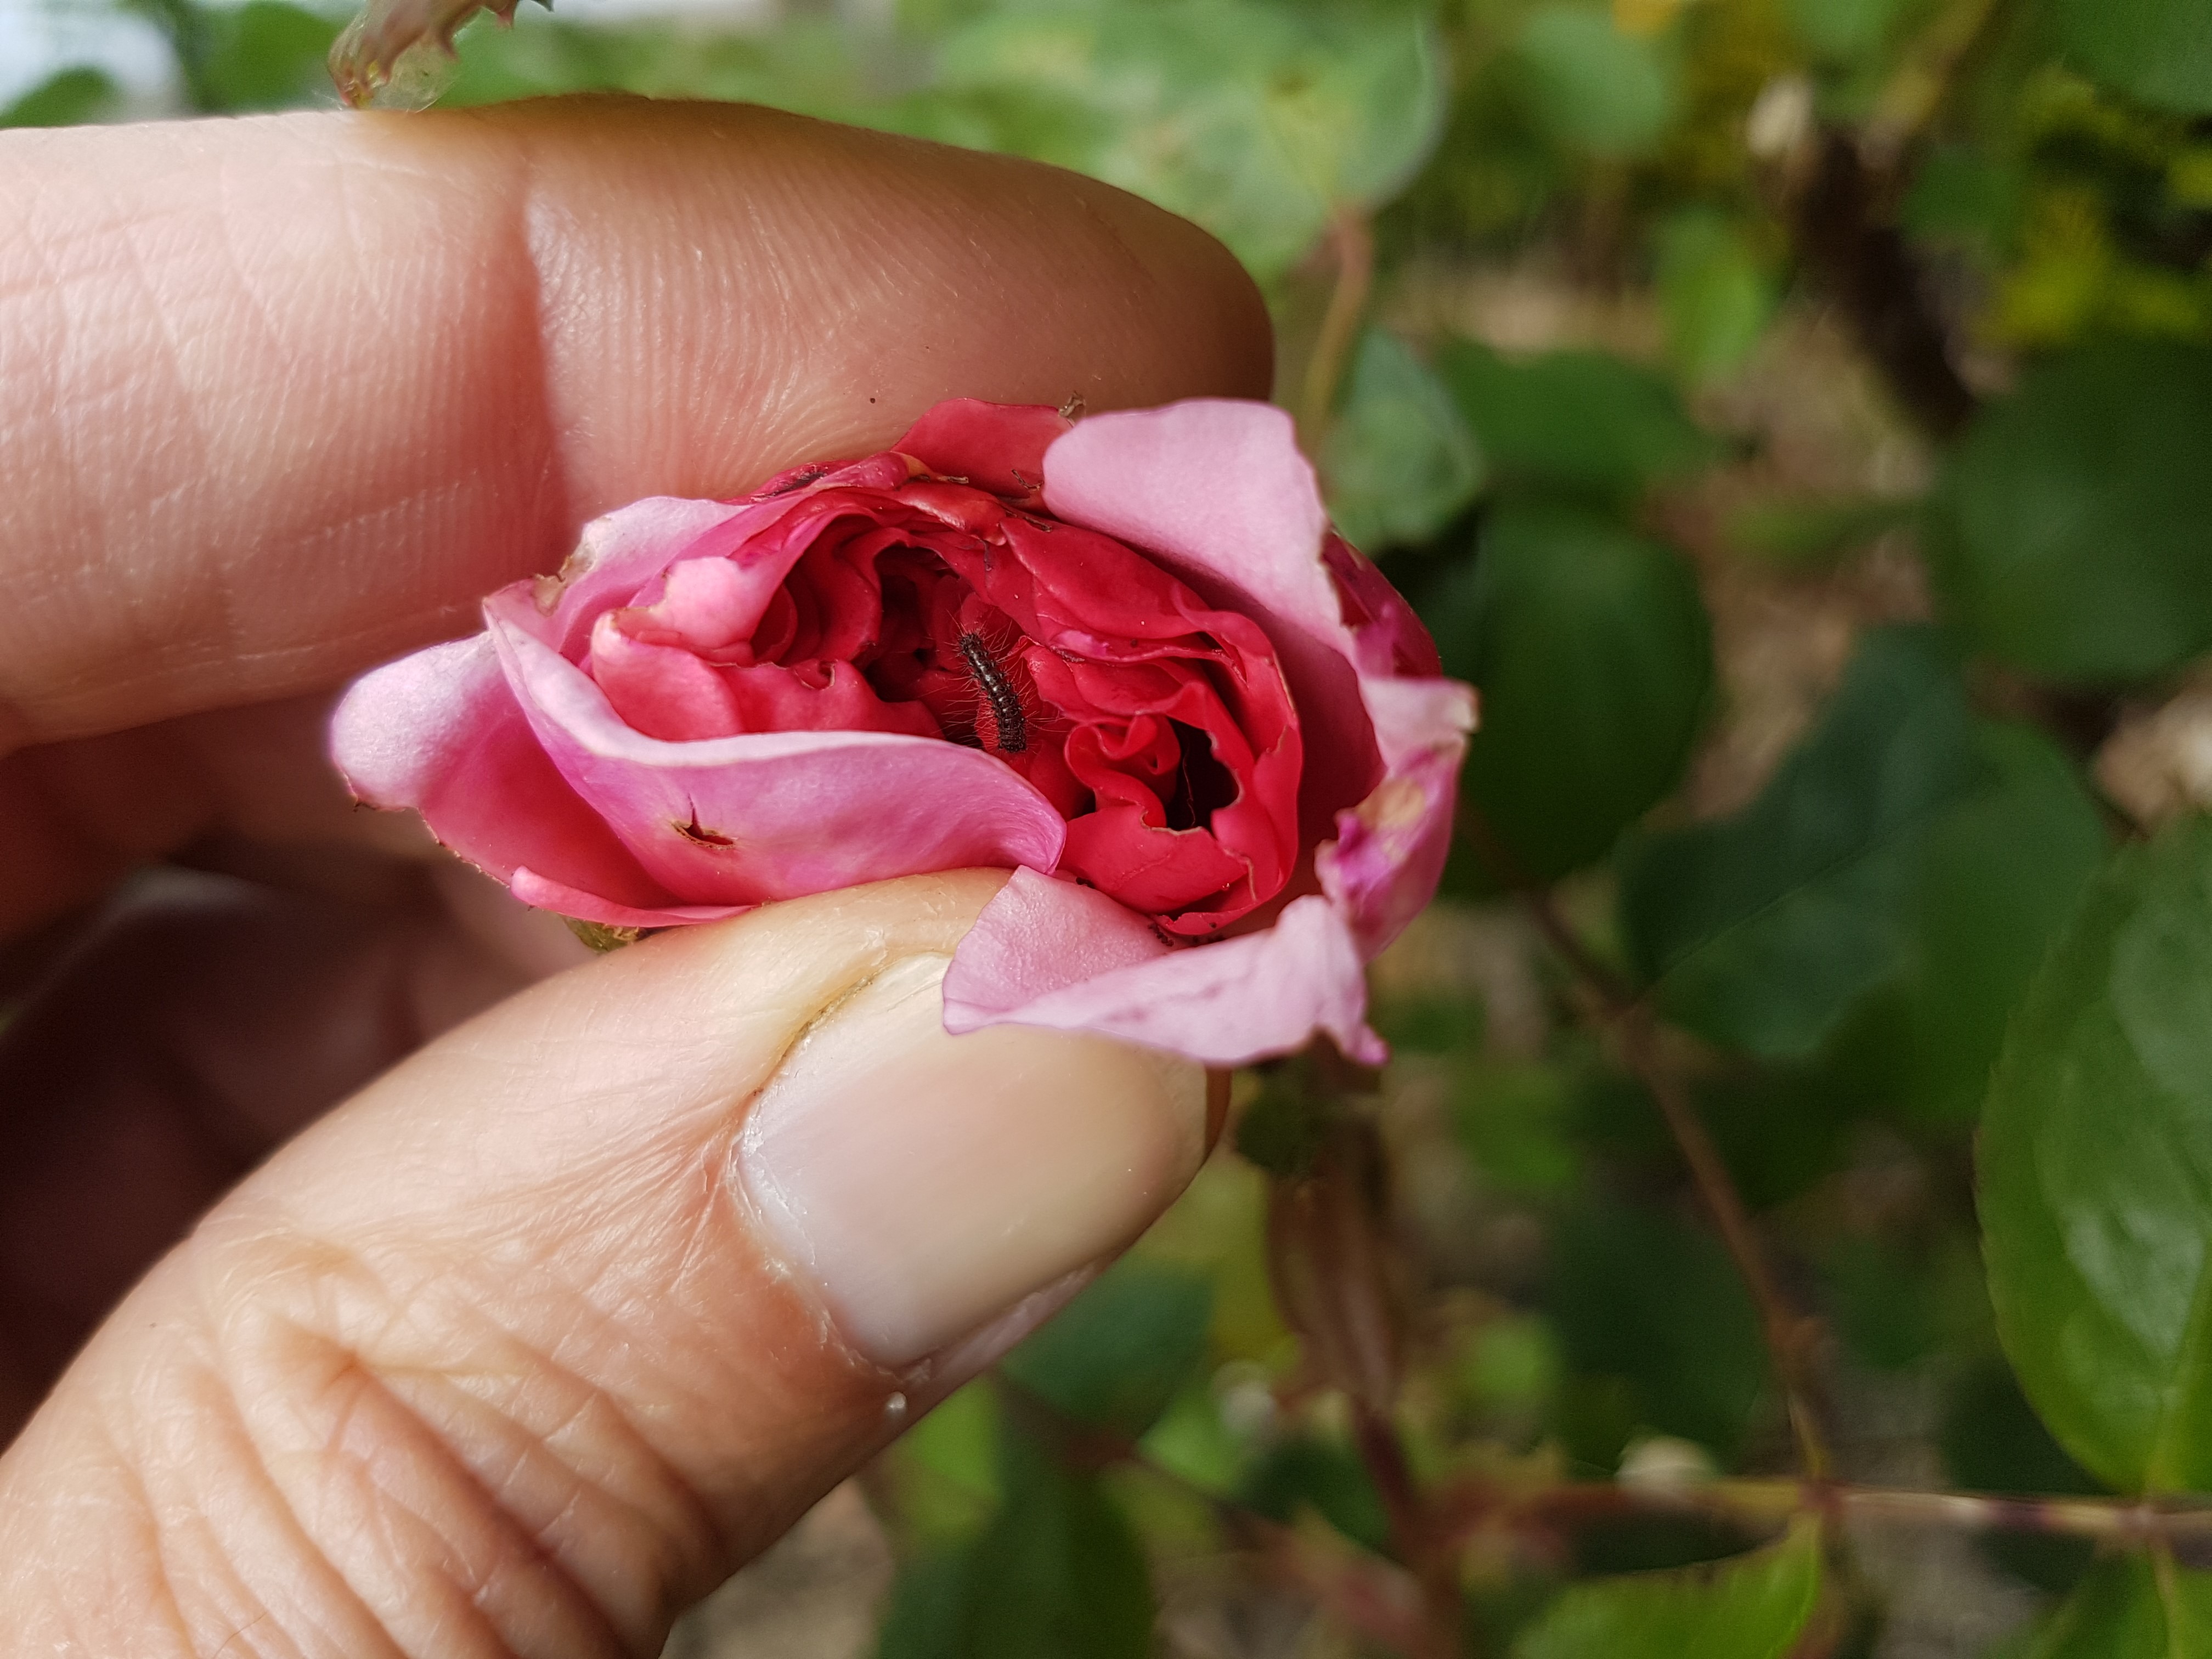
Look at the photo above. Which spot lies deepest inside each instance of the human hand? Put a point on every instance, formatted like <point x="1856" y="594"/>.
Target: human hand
<point x="541" y="1333"/>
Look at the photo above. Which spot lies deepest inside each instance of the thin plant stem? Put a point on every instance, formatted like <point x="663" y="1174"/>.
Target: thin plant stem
<point x="1329" y="1254"/>
<point x="1788" y="1333"/>
<point x="1764" y="1503"/>
<point x="1614" y="1005"/>
<point x="1353" y="244"/>
<point x="1420" y="1540"/>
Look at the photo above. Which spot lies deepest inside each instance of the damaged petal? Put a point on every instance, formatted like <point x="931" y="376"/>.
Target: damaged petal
<point x="602" y="937"/>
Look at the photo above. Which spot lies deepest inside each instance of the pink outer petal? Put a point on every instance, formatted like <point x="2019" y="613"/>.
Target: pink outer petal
<point x="1049" y="953"/>
<point x="742" y="820"/>
<point x="440" y="732"/>
<point x="1217" y="492"/>
<point x="544" y="894"/>
<point x="1389" y="850"/>
<point x="1391" y="640"/>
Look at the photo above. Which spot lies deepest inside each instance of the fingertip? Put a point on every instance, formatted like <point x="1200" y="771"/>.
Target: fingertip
<point x="422" y="350"/>
<point x="1222" y="316"/>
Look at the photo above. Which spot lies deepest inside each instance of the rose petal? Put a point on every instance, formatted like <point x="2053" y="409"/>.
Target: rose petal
<point x="1045" y="933"/>
<point x="617" y="554"/>
<point x="1389" y="638"/>
<point x="708" y="605"/>
<point x="543" y="893"/>
<point x="1050" y="953"/>
<point x="1139" y="641"/>
<point x="440" y="732"/>
<point x="622" y="552"/>
<point x="1389" y="850"/>
<point x="995" y="447"/>
<point x="662" y="690"/>
<point x="742" y="820"/>
<point x="1217" y="491"/>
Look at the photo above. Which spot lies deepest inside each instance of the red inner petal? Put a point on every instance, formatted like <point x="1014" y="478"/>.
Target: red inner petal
<point x="1162" y="728"/>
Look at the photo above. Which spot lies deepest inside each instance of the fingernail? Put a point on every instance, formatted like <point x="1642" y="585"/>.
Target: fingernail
<point x="925" y="1184"/>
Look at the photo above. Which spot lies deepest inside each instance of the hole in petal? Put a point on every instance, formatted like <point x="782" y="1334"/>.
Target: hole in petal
<point x="692" y="833"/>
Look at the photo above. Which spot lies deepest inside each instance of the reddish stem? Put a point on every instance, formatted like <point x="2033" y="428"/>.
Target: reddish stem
<point x="1788" y="1335"/>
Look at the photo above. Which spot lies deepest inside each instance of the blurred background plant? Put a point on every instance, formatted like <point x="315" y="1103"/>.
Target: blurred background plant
<point x="1796" y="417"/>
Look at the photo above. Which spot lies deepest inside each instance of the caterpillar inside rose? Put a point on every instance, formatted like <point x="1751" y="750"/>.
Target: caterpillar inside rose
<point x="1124" y="658"/>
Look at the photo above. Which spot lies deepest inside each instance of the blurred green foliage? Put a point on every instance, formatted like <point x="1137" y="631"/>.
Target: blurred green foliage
<point x="1681" y="350"/>
<point x="1750" y="1608"/>
<point x="68" y="98"/>
<point x="1594" y="655"/>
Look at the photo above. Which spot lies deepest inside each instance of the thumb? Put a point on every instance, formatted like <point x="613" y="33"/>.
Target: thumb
<point x="548" y="1330"/>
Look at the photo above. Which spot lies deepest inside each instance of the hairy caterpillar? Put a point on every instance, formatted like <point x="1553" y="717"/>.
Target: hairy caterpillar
<point x="1001" y="721"/>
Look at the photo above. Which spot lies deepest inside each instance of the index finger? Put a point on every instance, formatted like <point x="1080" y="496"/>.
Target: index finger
<point x="280" y="397"/>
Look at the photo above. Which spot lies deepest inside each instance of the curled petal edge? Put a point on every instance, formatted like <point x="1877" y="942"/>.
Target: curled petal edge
<point x="1049" y="953"/>
<point x="1389" y="850"/>
<point x="543" y="893"/>
<point x="439" y="730"/>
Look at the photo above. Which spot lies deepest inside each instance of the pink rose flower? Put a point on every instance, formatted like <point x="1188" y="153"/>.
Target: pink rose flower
<point x="1126" y="658"/>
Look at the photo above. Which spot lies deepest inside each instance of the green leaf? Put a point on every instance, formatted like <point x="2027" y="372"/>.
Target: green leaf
<point x="67" y="99"/>
<point x="266" y="55"/>
<point x="2076" y="516"/>
<point x="2158" y="52"/>
<point x="1060" y="1574"/>
<point x="1764" y="929"/>
<point x="1962" y="196"/>
<point x="1584" y="422"/>
<point x="1400" y="459"/>
<point x="2131" y="1607"/>
<point x="1328" y="1478"/>
<point x="1883" y="1302"/>
<point x="1115" y="1356"/>
<point x="1282" y="1130"/>
<point x="1194" y="1443"/>
<point x="1715" y="295"/>
<point x="1751" y="1607"/>
<point x="1260" y="121"/>
<point x="1057" y="1573"/>
<point x="1780" y="1128"/>
<point x="1990" y="885"/>
<point x="945" y="1470"/>
<point x="808" y="64"/>
<point x="923" y="1615"/>
<point x="1513" y="1118"/>
<point x="1511" y="1365"/>
<point x="1994" y="881"/>
<point x="1588" y="85"/>
<point x="2096" y="1173"/>
<point x="1842" y="30"/>
<point x="1594" y="657"/>
<point x="1642" y="1299"/>
<point x="1812" y="530"/>
<point x="1431" y="1024"/>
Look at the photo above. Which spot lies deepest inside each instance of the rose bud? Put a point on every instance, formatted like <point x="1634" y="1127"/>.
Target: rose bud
<point x="1126" y="658"/>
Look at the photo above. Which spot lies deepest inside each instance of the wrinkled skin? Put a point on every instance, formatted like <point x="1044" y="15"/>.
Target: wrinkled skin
<point x="286" y="397"/>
